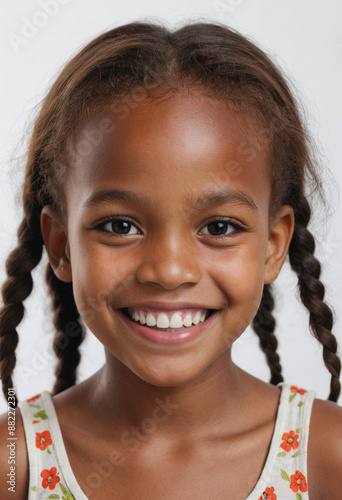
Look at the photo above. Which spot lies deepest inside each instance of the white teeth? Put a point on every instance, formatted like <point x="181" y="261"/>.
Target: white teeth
<point x="141" y="318"/>
<point x="163" y="321"/>
<point x="197" y="318"/>
<point x="150" y="320"/>
<point x="176" y="321"/>
<point x="187" y="321"/>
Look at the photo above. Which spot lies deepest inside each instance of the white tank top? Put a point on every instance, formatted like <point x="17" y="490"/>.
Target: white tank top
<point x="284" y="476"/>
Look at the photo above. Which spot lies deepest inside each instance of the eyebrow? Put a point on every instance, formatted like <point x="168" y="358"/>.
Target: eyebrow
<point x="222" y="197"/>
<point x="113" y="195"/>
<point x="206" y="200"/>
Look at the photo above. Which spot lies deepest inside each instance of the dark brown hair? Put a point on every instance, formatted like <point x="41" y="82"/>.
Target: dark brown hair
<point x="119" y="68"/>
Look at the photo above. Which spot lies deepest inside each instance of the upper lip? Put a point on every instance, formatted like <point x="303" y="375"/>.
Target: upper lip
<point x="167" y="306"/>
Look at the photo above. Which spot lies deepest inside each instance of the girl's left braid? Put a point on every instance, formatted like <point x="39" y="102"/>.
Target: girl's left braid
<point x="264" y="325"/>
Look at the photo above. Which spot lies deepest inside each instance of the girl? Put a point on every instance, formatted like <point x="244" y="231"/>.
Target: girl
<point x="166" y="179"/>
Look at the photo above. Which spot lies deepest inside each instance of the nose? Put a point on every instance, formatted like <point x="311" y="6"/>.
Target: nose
<point x="170" y="262"/>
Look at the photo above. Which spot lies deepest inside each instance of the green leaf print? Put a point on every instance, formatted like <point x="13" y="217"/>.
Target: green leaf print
<point x="41" y="414"/>
<point x="291" y="398"/>
<point x="284" y="475"/>
<point x="295" y="454"/>
<point x="53" y="496"/>
<point x="68" y="495"/>
<point x="297" y="431"/>
<point x="34" y="406"/>
<point x="34" y="488"/>
<point x="282" y="454"/>
<point x="49" y="452"/>
<point x="299" y="496"/>
<point x="300" y="404"/>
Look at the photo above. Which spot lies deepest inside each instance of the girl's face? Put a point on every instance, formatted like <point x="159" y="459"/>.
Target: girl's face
<point x="167" y="223"/>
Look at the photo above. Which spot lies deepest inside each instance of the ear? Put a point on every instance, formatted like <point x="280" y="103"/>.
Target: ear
<point x="278" y="243"/>
<point x="56" y="243"/>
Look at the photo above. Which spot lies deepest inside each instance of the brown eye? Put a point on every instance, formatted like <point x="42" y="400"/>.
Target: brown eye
<point x="120" y="226"/>
<point x="219" y="228"/>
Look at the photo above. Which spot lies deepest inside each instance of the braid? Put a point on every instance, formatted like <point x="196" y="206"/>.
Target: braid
<point x="69" y="331"/>
<point x="312" y="292"/>
<point x="264" y="325"/>
<point x="18" y="286"/>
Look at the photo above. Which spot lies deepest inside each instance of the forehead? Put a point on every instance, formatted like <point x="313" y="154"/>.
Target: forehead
<point x="189" y="140"/>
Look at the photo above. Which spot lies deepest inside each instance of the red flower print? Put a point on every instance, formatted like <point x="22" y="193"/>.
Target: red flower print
<point x="33" y="399"/>
<point x="290" y="441"/>
<point x="50" y="478"/>
<point x="298" y="482"/>
<point x="298" y="390"/>
<point x="43" y="439"/>
<point x="268" y="494"/>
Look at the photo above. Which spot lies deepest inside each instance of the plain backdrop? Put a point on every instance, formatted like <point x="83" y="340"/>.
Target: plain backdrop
<point x="303" y="36"/>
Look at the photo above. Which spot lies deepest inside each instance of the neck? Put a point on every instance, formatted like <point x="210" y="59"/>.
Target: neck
<point x="200" y="406"/>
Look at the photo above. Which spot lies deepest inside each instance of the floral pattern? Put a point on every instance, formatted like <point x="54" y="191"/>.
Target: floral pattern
<point x="50" y="478"/>
<point x="39" y="415"/>
<point x="43" y="440"/>
<point x="294" y="391"/>
<point x="30" y="400"/>
<point x="290" y="441"/>
<point x="291" y="455"/>
<point x="298" y="482"/>
<point x="268" y="494"/>
<point x="298" y="390"/>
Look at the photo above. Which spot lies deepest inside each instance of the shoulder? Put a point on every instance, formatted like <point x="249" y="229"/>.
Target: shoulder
<point x="325" y="450"/>
<point x="13" y="459"/>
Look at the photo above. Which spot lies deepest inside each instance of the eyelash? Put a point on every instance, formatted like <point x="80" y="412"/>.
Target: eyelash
<point x="101" y="226"/>
<point x="237" y="227"/>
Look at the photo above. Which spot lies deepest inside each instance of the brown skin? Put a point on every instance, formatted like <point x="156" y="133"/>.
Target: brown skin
<point x="218" y="415"/>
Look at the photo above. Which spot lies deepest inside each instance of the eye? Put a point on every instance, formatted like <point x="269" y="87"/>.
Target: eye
<point x="118" y="226"/>
<point x="221" y="227"/>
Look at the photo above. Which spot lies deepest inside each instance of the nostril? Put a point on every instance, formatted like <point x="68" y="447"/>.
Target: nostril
<point x="168" y="272"/>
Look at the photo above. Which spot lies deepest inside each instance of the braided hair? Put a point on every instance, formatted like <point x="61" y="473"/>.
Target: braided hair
<point x="117" y="69"/>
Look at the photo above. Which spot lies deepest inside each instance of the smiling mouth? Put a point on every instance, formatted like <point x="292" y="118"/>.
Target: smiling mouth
<point x="167" y="320"/>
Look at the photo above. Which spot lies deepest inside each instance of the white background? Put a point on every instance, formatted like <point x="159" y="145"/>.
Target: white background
<point x="304" y="37"/>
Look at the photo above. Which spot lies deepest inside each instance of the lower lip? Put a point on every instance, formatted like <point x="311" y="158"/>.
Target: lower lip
<point x="163" y="337"/>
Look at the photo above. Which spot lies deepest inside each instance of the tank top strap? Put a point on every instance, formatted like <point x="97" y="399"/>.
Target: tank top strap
<point x="285" y="471"/>
<point x="50" y="472"/>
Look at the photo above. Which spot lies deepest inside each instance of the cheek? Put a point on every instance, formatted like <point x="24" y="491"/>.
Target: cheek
<point x="241" y="280"/>
<point x="99" y="277"/>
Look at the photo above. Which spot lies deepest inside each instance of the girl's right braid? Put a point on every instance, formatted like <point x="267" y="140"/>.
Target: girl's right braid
<point x="18" y="286"/>
<point x="69" y="331"/>
<point x="312" y="291"/>
<point x="264" y="325"/>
